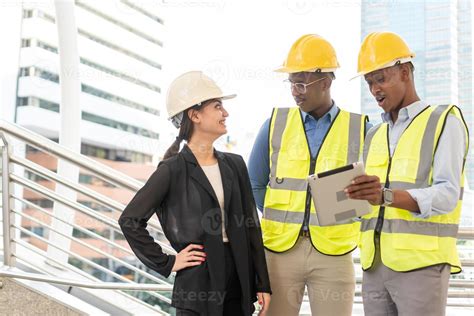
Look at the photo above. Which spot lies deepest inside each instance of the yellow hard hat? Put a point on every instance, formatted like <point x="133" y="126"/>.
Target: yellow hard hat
<point x="310" y="53"/>
<point x="189" y="89"/>
<point x="382" y="50"/>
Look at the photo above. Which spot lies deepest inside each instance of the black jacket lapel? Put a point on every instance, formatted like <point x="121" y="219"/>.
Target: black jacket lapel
<point x="197" y="173"/>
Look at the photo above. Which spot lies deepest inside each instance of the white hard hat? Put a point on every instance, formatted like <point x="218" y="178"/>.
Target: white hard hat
<point x="189" y="89"/>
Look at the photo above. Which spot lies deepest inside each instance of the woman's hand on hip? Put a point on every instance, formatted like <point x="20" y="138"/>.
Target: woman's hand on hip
<point x="190" y="256"/>
<point x="264" y="302"/>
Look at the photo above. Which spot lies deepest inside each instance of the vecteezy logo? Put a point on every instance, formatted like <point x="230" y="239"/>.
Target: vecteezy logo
<point x="211" y="221"/>
<point x="299" y="6"/>
<point x="218" y="70"/>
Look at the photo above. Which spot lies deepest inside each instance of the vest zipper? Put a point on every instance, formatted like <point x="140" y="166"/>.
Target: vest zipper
<point x="378" y="226"/>
<point x="312" y="168"/>
<point x="380" y="218"/>
<point x="307" y="210"/>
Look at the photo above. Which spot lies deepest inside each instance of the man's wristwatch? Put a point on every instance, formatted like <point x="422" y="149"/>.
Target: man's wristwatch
<point x="387" y="197"/>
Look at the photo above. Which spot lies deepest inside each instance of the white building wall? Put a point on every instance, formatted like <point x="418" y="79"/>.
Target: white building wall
<point x="137" y="52"/>
<point x="9" y="15"/>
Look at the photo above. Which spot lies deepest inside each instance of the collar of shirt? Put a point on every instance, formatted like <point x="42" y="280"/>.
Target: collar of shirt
<point x="331" y="114"/>
<point x="406" y="113"/>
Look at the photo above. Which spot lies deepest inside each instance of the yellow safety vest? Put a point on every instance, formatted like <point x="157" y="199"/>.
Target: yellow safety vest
<point x="287" y="196"/>
<point x="408" y="242"/>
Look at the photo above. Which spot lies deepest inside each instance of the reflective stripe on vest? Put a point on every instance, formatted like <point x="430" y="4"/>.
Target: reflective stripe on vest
<point x="411" y="227"/>
<point x="285" y="199"/>
<point x="408" y="242"/>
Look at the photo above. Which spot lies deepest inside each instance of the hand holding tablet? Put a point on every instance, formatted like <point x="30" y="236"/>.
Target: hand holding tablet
<point x="331" y="202"/>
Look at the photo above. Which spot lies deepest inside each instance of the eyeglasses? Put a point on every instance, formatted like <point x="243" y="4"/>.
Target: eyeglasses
<point x="300" y="87"/>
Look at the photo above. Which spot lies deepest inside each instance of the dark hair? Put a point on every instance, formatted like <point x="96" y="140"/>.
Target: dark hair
<point x="329" y="75"/>
<point x="185" y="132"/>
<point x="318" y="74"/>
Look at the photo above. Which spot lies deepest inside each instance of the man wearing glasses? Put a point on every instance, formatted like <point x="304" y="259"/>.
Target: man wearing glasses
<point x="312" y="137"/>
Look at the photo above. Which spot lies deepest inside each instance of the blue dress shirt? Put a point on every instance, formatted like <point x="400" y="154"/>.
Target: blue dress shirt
<point x="259" y="161"/>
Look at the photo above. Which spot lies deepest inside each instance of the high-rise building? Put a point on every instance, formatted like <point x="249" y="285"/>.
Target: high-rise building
<point x="121" y="54"/>
<point x="440" y="33"/>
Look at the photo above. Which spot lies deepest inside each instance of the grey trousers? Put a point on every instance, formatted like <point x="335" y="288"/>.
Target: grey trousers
<point x="419" y="292"/>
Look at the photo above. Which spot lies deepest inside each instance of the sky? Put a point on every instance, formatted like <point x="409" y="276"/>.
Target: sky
<point x="240" y="43"/>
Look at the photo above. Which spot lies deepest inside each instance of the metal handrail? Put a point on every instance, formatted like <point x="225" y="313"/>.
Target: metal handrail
<point x="98" y="169"/>
<point x="75" y="226"/>
<point x="89" y="262"/>
<point x="76" y="206"/>
<point x="86" y="165"/>
<point x="4" y="272"/>
<point x="103" y="253"/>
<point x="64" y="266"/>
<point x="26" y="262"/>
<point x="466" y="233"/>
<point x="37" y="188"/>
<point x="98" y="197"/>
<point x="83" y="274"/>
<point x="7" y="251"/>
<point x="52" y="176"/>
<point x="91" y="285"/>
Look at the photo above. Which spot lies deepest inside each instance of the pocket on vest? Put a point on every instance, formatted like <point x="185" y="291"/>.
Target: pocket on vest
<point x="269" y="226"/>
<point x="332" y="163"/>
<point x="377" y="164"/>
<point x="414" y="242"/>
<point x="274" y="198"/>
<point x="405" y="169"/>
<point x="341" y="231"/>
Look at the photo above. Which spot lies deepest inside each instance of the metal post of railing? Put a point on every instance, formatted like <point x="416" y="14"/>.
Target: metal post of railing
<point x="8" y="259"/>
<point x="70" y="120"/>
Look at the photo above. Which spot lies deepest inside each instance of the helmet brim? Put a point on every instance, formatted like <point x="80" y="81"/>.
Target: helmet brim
<point x="402" y="60"/>
<point x="223" y="97"/>
<point x="290" y="70"/>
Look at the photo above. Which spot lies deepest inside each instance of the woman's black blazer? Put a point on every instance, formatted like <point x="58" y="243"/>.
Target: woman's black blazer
<point x="182" y="197"/>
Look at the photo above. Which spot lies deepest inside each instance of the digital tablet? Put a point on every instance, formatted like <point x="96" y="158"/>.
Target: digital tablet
<point x="331" y="203"/>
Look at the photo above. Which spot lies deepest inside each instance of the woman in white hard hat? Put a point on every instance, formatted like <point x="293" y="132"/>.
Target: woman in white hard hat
<point x="205" y="205"/>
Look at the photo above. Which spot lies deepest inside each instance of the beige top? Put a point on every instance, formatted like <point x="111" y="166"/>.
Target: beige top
<point x="213" y="174"/>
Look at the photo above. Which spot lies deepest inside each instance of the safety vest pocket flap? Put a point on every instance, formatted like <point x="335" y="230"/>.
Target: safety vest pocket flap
<point x="296" y="151"/>
<point x="270" y="227"/>
<point x="277" y="197"/>
<point x="376" y="160"/>
<point x="332" y="163"/>
<point x="342" y="231"/>
<point x="406" y="166"/>
<point x="414" y="242"/>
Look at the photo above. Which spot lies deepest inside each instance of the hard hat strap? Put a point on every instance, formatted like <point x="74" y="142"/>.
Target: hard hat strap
<point x="318" y="70"/>
<point x="177" y="119"/>
<point x="398" y="61"/>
